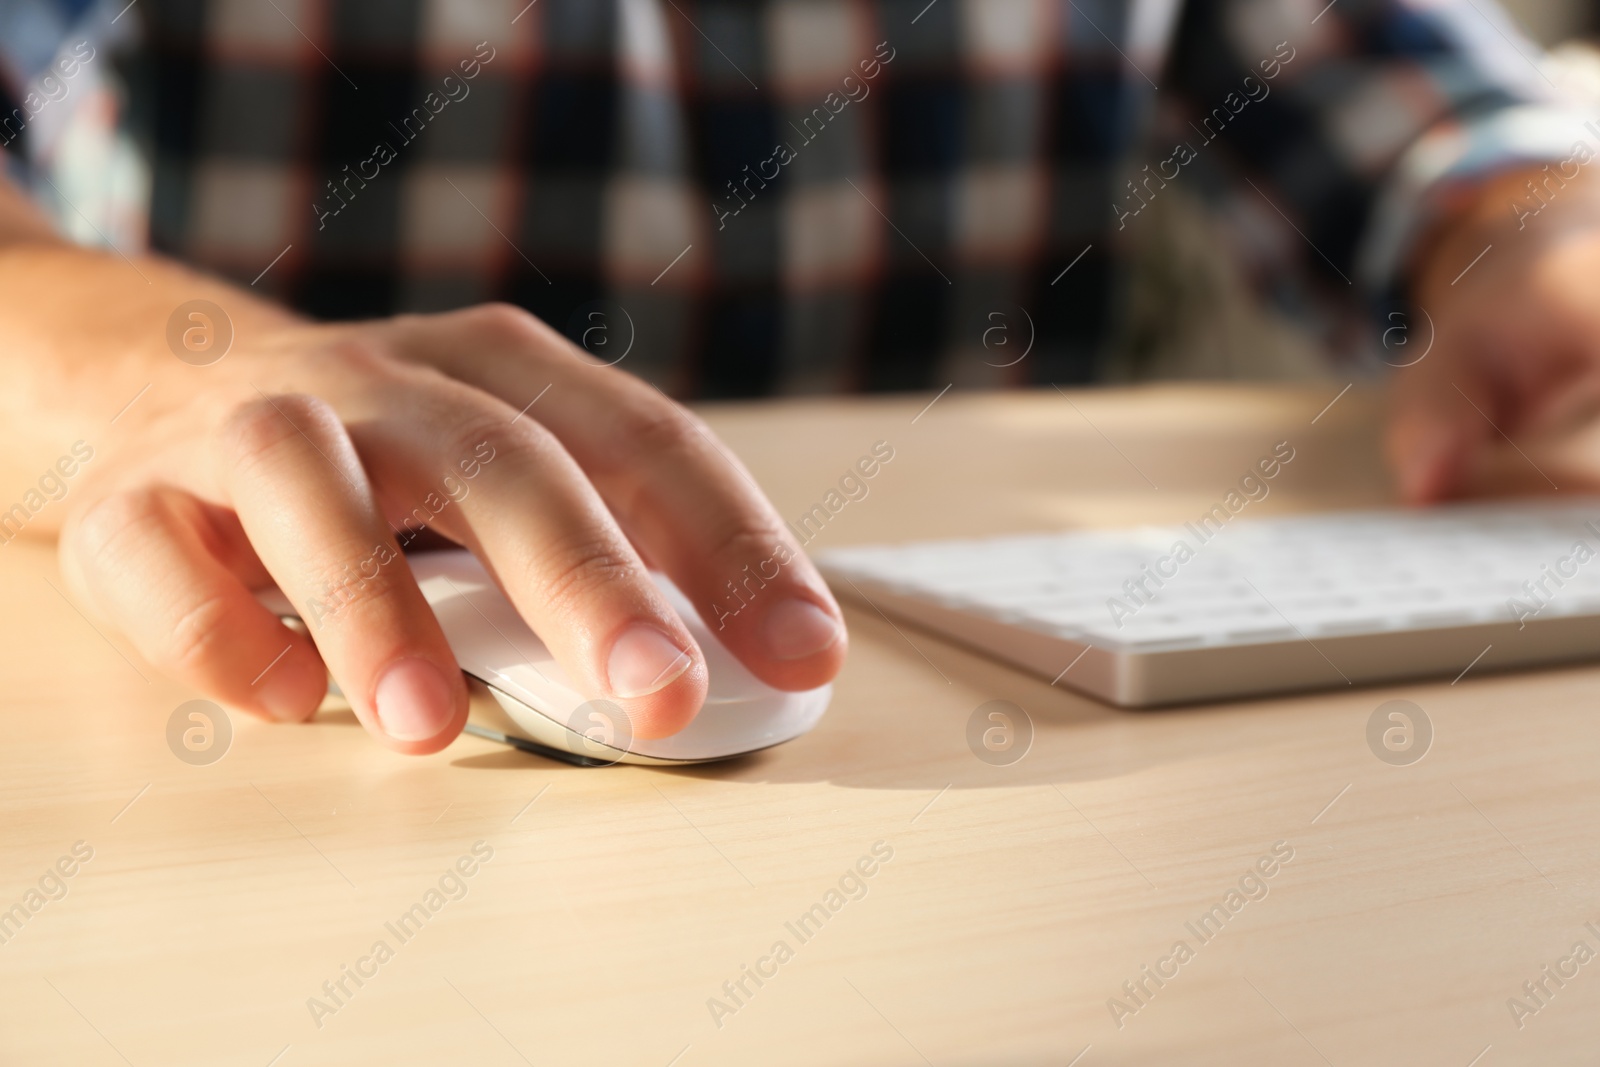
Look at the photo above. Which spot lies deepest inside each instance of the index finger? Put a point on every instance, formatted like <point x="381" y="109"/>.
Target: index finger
<point x="687" y="503"/>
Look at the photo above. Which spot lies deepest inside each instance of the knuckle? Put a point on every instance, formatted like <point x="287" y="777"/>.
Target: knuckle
<point x="504" y="321"/>
<point x="745" y="538"/>
<point x="526" y="441"/>
<point x="199" y="637"/>
<point x="363" y="354"/>
<point x="99" y="529"/>
<point x="103" y="537"/>
<point x="654" y="427"/>
<point x="575" y="573"/>
<point x="362" y="587"/>
<point x="257" y="428"/>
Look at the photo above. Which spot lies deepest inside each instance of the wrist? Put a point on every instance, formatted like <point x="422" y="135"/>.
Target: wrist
<point x="1519" y="213"/>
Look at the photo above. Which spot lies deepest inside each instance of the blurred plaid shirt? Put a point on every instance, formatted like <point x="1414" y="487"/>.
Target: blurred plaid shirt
<point x="759" y="196"/>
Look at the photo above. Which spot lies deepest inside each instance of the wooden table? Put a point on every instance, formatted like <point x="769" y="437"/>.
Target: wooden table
<point x="1018" y="900"/>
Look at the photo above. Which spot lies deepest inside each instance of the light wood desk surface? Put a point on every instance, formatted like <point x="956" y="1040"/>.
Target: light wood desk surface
<point x="1018" y="900"/>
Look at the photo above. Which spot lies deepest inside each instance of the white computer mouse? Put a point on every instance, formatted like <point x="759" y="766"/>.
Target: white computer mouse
<point x="522" y="697"/>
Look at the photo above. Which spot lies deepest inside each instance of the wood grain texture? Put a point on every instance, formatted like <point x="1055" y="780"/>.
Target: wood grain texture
<point x="1017" y="901"/>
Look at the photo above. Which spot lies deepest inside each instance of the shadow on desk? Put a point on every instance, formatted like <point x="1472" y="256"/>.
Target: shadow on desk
<point x="903" y="725"/>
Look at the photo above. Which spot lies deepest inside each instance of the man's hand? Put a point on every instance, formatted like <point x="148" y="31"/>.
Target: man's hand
<point x="1517" y="348"/>
<point x="308" y="453"/>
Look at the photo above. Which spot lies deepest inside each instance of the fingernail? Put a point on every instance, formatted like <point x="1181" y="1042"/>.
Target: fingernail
<point x="644" y="660"/>
<point x="795" y="629"/>
<point x="414" y="702"/>
<point x="283" y="694"/>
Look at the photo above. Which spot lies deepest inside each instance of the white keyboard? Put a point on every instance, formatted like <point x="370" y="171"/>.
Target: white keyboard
<point x="1259" y="606"/>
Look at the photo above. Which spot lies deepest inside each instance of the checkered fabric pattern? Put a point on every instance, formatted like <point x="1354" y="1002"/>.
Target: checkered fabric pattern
<point x="760" y="196"/>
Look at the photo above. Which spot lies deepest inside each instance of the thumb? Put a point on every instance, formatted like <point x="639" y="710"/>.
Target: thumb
<point x="1437" y="429"/>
